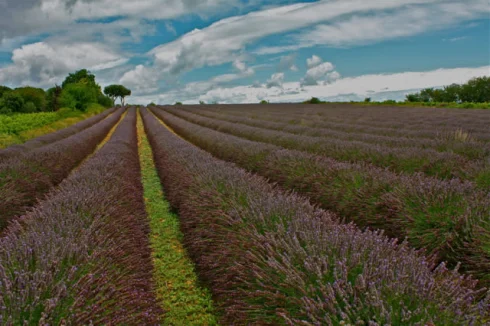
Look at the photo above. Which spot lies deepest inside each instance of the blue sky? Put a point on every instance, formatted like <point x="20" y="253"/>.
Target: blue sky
<point x="236" y="51"/>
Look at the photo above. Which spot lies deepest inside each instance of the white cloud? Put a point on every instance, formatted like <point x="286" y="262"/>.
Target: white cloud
<point x="42" y="64"/>
<point x="41" y="16"/>
<point x="319" y="71"/>
<point x="379" y="87"/>
<point x="287" y="62"/>
<point x="276" y="80"/>
<point x="224" y="40"/>
<point x="141" y="80"/>
<point x="369" y="27"/>
<point x="313" y="61"/>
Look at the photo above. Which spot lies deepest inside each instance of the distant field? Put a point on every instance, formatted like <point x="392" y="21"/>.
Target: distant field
<point x="272" y="214"/>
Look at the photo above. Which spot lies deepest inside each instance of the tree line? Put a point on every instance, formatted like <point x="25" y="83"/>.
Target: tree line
<point x="477" y="90"/>
<point x="77" y="92"/>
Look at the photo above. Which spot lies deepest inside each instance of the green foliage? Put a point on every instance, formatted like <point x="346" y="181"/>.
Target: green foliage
<point x="264" y="102"/>
<point x="29" y="107"/>
<point x="477" y="90"/>
<point x="105" y="101"/>
<point x="11" y="102"/>
<point x="78" y="96"/>
<point x="178" y="103"/>
<point x="151" y="104"/>
<point x="202" y="102"/>
<point x="36" y="96"/>
<point x="53" y="98"/>
<point x="80" y="77"/>
<point x="177" y="285"/>
<point x="117" y="91"/>
<point x="314" y="100"/>
<point x="367" y="100"/>
<point x="3" y="90"/>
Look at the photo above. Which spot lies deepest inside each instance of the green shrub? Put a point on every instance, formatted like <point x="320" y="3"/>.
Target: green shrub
<point x="33" y="95"/>
<point x="12" y="102"/>
<point x="105" y="101"/>
<point x="29" y="107"/>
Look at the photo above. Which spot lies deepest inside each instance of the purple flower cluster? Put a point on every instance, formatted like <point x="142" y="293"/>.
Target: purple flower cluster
<point x="444" y="165"/>
<point x="28" y="176"/>
<point x="449" y="219"/>
<point x="82" y="256"/>
<point x="402" y="122"/>
<point x="270" y="257"/>
<point x="469" y="148"/>
<point x="53" y="137"/>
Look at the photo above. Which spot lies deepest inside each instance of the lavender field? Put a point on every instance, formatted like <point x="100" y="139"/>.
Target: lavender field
<point x="272" y="214"/>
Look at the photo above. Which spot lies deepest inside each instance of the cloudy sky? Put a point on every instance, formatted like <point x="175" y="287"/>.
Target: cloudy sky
<point x="234" y="51"/>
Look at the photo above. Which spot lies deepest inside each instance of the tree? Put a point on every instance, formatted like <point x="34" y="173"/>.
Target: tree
<point x="367" y="100"/>
<point x="451" y="93"/>
<point x="476" y="90"/>
<point x="82" y="76"/>
<point x="12" y="103"/>
<point x="178" y="103"/>
<point x="3" y="90"/>
<point x="53" y="98"/>
<point x="105" y="101"/>
<point x="117" y="91"/>
<point x="36" y="96"/>
<point x="264" y="102"/>
<point x="78" y="96"/>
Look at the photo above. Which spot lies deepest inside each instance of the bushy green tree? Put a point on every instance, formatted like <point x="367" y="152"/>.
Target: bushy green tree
<point x="11" y="102"/>
<point x="3" y="90"/>
<point x="477" y="90"/>
<point x="117" y="91"/>
<point x="105" y="101"/>
<point x="82" y="76"/>
<point x="78" y="96"/>
<point x="36" y="96"/>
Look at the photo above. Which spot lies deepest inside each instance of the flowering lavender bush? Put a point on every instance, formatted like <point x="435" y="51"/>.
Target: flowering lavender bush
<point x="26" y="177"/>
<point x="468" y="147"/>
<point x="447" y="218"/>
<point x="272" y="258"/>
<point x="53" y="137"/>
<point x="403" y="122"/>
<point x="444" y="165"/>
<point x="81" y="257"/>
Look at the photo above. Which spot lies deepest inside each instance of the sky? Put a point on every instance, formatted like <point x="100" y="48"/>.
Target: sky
<point x="245" y="51"/>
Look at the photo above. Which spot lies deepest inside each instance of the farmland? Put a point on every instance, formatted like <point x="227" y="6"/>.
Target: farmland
<point x="272" y="214"/>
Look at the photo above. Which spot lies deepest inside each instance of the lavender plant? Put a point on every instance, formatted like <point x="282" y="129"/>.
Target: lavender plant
<point x="270" y="257"/>
<point x="27" y="177"/>
<point x="449" y="219"/>
<point x="444" y="165"/>
<point x="81" y="257"/>
<point x="461" y="143"/>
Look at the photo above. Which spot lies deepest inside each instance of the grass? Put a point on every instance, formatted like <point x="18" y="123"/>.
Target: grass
<point x="185" y="302"/>
<point x="28" y="126"/>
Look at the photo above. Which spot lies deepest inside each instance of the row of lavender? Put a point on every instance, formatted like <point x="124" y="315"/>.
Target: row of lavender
<point x="388" y="118"/>
<point x="27" y="177"/>
<point x="82" y="256"/>
<point x="53" y="137"/>
<point x="270" y="257"/>
<point x="400" y="124"/>
<point x="446" y="143"/>
<point x="447" y="218"/>
<point x="444" y="165"/>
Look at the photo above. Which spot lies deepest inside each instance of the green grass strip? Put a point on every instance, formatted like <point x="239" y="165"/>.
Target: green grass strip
<point x="185" y="302"/>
